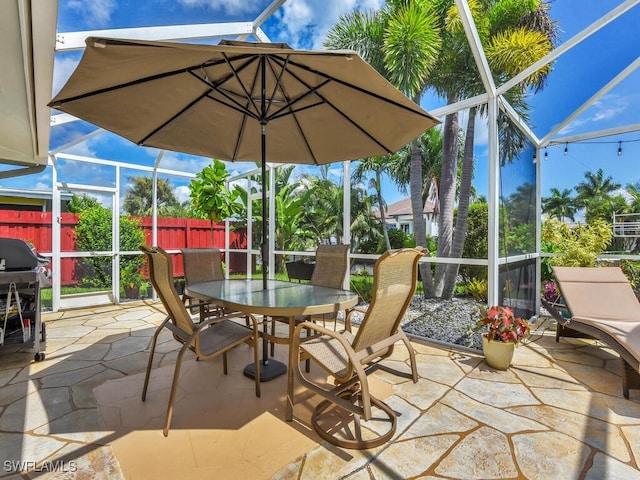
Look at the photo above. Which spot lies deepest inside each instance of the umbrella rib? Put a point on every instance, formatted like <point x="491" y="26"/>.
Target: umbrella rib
<point x="131" y="83"/>
<point x="171" y="119"/>
<point x="288" y="105"/>
<point x="235" y="72"/>
<point x="336" y="109"/>
<point x="360" y="89"/>
<point x="234" y="105"/>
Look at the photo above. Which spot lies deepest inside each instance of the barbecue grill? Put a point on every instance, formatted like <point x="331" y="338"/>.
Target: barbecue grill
<point x="22" y="271"/>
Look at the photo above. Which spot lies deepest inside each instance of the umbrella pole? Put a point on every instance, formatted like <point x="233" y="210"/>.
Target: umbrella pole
<point x="264" y="246"/>
<point x="269" y="369"/>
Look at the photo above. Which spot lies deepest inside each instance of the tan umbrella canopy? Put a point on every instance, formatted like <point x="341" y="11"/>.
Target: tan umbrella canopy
<point x="241" y="101"/>
<point x="316" y="107"/>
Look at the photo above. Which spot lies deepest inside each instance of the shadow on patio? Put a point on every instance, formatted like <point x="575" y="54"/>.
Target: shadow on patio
<point x="557" y="413"/>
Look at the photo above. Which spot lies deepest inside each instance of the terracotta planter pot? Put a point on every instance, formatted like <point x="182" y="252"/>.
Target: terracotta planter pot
<point x="498" y="354"/>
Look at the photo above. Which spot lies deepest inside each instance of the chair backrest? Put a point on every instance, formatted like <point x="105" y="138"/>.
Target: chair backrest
<point x="395" y="277"/>
<point x="202" y="265"/>
<point x="597" y="292"/>
<point x="161" y="276"/>
<point x="332" y="264"/>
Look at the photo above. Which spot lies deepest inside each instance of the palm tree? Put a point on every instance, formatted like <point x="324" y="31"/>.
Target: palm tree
<point x="379" y="166"/>
<point x="138" y="200"/>
<point x="560" y="205"/>
<point x="514" y="34"/>
<point x="431" y="152"/>
<point x="401" y="41"/>
<point x="365" y="227"/>
<point x="324" y="206"/>
<point x="594" y="192"/>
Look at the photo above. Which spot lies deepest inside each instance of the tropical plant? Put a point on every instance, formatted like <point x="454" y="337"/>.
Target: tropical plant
<point x="400" y="239"/>
<point x="515" y="34"/>
<point x="478" y="289"/>
<point x="431" y="153"/>
<point x="324" y="206"/>
<point x="593" y="192"/>
<point x="578" y="246"/>
<point x="210" y="197"/>
<point x="402" y="41"/>
<point x="476" y="244"/>
<point x="499" y="324"/>
<point x="93" y="233"/>
<point x="138" y="200"/>
<point x="560" y="205"/>
<point x="80" y="203"/>
<point x="378" y="166"/>
<point x="365" y="227"/>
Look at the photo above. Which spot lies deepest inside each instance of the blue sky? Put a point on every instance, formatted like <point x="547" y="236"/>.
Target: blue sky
<point x="303" y="24"/>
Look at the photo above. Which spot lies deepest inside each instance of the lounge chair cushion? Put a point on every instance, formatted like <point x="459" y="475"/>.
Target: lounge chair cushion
<point x="602" y="298"/>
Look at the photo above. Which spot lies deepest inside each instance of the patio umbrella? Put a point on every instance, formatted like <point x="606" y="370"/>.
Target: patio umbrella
<point x="241" y="101"/>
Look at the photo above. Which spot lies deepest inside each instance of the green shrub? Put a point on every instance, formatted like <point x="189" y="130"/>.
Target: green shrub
<point x="476" y="244"/>
<point x="580" y="245"/>
<point x="478" y="289"/>
<point x="93" y="233"/>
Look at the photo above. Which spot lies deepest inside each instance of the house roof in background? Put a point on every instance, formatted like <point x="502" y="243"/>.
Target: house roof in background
<point x="403" y="207"/>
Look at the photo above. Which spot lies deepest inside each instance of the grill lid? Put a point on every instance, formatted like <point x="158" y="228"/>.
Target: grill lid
<point x="18" y="255"/>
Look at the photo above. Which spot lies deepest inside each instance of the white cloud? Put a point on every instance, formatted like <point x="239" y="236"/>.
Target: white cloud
<point x="231" y="7"/>
<point x="608" y="108"/>
<point x="183" y="163"/>
<point x="63" y="67"/>
<point x="95" y="12"/>
<point x="305" y="23"/>
<point x="182" y="193"/>
<point x="83" y="149"/>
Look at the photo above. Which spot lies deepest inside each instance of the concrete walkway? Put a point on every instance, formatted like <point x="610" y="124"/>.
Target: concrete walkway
<point x="558" y="412"/>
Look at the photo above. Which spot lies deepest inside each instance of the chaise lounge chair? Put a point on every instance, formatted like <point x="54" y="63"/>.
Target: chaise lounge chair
<point x="599" y="303"/>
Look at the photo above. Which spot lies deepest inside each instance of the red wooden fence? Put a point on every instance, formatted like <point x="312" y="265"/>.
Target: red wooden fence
<point x="173" y="234"/>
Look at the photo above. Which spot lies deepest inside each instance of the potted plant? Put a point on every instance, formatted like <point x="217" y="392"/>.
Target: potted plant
<point x="131" y="279"/>
<point x="502" y="331"/>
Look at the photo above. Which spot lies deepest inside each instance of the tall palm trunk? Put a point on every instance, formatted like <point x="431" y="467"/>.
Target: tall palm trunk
<point x="447" y="194"/>
<point x="381" y="205"/>
<point x="416" y="188"/>
<point x="460" y="231"/>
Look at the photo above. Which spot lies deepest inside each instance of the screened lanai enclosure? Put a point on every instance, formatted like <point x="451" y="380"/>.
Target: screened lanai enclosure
<point x="527" y="135"/>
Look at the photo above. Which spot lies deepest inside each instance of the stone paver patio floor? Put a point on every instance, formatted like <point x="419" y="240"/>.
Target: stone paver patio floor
<point x="558" y="412"/>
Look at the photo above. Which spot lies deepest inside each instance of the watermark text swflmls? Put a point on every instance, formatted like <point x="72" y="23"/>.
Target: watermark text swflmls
<point x="30" y="466"/>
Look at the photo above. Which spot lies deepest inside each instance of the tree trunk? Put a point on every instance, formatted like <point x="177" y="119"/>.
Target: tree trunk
<point x="447" y="194"/>
<point x="382" y="209"/>
<point x="416" y="187"/>
<point x="460" y="231"/>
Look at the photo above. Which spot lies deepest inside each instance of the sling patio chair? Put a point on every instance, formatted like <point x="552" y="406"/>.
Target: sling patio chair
<point x="348" y="358"/>
<point x="599" y="303"/>
<point x="331" y="268"/>
<point x="208" y="339"/>
<point x="202" y="265"/>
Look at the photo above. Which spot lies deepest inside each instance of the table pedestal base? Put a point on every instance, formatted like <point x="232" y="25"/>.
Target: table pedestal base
<point x="272" y="369"/>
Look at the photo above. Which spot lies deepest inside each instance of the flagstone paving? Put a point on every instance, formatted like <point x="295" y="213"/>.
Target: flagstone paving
<point x="558" y="412"/>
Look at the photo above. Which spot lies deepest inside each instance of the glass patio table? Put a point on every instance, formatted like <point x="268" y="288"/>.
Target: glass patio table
<point x="279" y="299"/>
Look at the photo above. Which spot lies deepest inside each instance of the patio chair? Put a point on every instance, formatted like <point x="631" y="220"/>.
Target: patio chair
<point x="331" y="267"/>
<point x="348" y="358"/>
<point x="202" y="265"/>
<point x="599" y="303"/>
<point x="209" y="339"/>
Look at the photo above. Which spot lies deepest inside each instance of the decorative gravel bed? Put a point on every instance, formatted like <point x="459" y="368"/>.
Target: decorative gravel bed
<point x="448" y="321"/>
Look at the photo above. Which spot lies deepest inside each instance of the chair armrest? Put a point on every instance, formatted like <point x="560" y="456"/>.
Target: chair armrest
<point x="347" y="319"/>
<point x="352" y="356"/>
